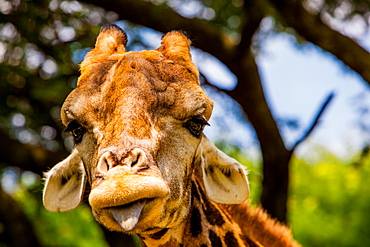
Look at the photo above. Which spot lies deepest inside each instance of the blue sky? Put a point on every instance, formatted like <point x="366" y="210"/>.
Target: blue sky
<point x="296" y="81"/>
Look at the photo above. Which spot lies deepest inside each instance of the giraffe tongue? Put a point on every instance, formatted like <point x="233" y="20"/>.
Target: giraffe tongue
<point x="128" y="216"/>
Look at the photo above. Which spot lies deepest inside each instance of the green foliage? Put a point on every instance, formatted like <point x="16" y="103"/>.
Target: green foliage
<point x="41" y="44"/>
<point x="330" y="202"/>
<point x="73" y="228"/>
<point x="329" y="199"/>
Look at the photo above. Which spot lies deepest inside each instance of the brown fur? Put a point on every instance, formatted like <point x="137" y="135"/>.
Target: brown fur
<point x="150" y="173"/>
<point x="257" y="224"/>
<point x="208" y="224"/>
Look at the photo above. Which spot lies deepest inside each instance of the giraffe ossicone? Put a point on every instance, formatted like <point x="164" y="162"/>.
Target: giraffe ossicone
<point x="137" y="120"/>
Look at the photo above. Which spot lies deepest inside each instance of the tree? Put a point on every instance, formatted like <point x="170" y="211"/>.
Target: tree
<point x="42" y="43"/>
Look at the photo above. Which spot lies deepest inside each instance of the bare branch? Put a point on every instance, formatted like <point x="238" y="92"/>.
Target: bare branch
<point x="315" y="121"/>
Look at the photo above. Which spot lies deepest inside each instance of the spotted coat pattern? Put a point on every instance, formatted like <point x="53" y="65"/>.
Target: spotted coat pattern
<point x="209" y="225"/>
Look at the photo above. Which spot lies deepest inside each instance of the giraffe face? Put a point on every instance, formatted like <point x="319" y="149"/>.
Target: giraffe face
<point x="137" y="121"/>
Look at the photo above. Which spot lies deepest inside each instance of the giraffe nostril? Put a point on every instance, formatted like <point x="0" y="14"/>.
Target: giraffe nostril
<point x="136" y="160"/>
<point x="104" y="164"/>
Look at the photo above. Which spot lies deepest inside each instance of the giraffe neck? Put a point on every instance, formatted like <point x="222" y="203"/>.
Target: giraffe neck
<point x="208" y="224"/>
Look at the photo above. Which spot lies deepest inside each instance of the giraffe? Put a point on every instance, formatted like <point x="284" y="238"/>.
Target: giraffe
<point x="137" y="121"/>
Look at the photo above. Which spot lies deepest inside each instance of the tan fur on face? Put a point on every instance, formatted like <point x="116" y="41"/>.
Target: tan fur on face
<point x="150" y="168"/>
<point x="146" y="103"/>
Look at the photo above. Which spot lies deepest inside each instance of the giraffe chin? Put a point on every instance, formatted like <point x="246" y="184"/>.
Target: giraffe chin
<point x="127" y="216"/>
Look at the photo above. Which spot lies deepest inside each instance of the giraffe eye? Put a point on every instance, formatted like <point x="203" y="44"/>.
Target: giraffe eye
<point x="78" y="133"/>
<point x="196" y="125"/>
<point x="76" y="130"/>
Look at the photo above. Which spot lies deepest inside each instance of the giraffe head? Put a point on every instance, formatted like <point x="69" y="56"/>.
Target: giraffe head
<point x="137" y="120"/>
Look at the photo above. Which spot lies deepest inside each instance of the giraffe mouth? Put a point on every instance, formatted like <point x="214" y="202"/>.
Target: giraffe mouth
<point x="127" y="216"/>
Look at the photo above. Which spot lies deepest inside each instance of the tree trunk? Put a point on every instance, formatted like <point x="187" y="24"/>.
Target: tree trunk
<point x="250" y="95"/>
<point x="17" y="229"/>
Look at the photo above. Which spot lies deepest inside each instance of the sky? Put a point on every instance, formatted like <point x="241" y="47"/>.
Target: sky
<point x="296" y="81"/>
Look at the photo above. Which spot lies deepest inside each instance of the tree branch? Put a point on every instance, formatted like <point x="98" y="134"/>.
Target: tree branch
<point x="162" y="18"/>
<point x="254" y="13"/>
<point x="315" y="121"/>
<point x="314" y="30"/>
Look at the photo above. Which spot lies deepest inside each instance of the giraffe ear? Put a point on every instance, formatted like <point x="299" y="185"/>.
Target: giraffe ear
<point x="65" y="184"/>
<point x="111" y="39"/>
<point x="176" y="47"/>
<point x="224" y="178"/>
